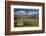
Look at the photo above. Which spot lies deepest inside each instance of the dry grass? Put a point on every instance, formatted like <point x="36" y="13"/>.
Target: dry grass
<point x="27" y="21"/>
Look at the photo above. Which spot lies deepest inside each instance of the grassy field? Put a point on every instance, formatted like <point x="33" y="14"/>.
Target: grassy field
<point x="26" y="22"/>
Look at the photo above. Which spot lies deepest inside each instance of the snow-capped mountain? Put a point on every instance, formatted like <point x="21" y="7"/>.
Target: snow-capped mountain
<point x="19" y="12"/>
<point x="32" y="13"/>
<point x="24" y="13"/>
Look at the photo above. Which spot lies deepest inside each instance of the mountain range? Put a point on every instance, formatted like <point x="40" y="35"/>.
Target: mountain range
<point x="24" y="13"/>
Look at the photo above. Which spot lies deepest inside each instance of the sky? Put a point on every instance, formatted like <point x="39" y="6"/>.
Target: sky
<point x="26" y="10"/>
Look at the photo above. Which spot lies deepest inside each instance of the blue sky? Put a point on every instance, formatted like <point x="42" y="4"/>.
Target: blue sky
<point x="26" y="10"/>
